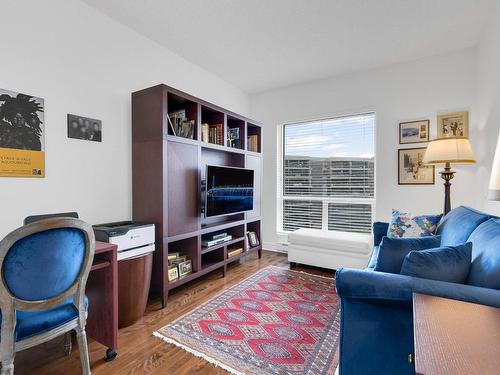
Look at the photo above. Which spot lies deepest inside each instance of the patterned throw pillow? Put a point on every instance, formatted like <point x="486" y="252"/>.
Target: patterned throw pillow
<point x="403" y="225"/>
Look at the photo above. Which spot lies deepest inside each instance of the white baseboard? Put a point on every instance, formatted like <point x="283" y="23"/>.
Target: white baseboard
<point x="275" y="246"/>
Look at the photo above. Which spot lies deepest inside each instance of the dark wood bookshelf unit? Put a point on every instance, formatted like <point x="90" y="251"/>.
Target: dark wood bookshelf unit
<point x="167" y="174"/>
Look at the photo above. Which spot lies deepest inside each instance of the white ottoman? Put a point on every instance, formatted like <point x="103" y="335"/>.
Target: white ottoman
<point x="329" y="249"/>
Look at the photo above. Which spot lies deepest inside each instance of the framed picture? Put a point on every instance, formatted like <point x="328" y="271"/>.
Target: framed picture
<point x="173" y="273"/>
<point x="185" y="268"/>
<point x="253" y="240"/>
<point x="454" y="124"/>
<point x="22" y="135"/>
<point x="177" y="260"/>
<point x="414" y="132"/>
<point x="411" y="169"/>
<point x="85" y="128"/>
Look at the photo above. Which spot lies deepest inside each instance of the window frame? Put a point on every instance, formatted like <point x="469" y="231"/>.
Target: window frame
<point x="326" y="200"/>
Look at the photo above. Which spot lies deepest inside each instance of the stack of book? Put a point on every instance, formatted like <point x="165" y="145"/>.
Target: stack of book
<point x="234" y="250"/>
<point x="253" y="143"/>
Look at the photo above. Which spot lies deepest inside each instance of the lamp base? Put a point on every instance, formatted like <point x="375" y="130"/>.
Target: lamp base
<point x="447" y="175"/>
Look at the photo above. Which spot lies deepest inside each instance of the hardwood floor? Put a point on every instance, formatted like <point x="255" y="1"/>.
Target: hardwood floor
<point x="139" y="352"/>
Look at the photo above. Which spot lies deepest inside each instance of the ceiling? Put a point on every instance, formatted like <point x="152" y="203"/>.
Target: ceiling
<point x="259" y="45"/>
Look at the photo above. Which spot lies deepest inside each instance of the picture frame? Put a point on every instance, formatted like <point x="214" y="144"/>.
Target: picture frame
<point x="22" y="135"/>
<point x="411" y="169"/>
<point x="185" y="268"/>
<point x="253" y="240"/>
<point x="173" y="273"/>
<point x="453" y="124"/>
<point x="414" y="131"/>
<point x="84" y="128"/>
<point x="177" y="260"/>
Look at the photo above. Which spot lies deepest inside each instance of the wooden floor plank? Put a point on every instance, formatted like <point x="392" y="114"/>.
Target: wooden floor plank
<point x="139" y="352"/>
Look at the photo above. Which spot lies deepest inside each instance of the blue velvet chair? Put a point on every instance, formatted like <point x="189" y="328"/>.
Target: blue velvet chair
<point x="376" y="328"/>
<point x="44" y="270"/>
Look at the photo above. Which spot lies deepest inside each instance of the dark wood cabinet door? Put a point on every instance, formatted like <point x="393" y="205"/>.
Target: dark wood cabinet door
<point x="183" y="186"/>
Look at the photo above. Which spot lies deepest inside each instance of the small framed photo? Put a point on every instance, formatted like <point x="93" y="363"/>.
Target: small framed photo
<point x="85" y="128"/>
<point x="253" y="240"/>
<point x="455" y="124"/>
<point x="411" y="169"/>
<point x="177" y="260"/>
<point x="414" y="132"/>
<point x="185" y="268"/>
<point x="173" y="273"/>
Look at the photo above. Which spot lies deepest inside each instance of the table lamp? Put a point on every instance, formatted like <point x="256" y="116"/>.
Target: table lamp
<point x="445" y="151"/>
<point x="494" y="189"/>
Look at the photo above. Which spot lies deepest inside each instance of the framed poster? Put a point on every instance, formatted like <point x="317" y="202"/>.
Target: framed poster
<point x="22" y="135"/>
<point x="454" y="124"/>
<point x="414" y="132"/>
<point x="411" y="169"/>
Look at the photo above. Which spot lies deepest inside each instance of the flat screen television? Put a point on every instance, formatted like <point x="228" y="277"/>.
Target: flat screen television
<point x="229" y="190"/>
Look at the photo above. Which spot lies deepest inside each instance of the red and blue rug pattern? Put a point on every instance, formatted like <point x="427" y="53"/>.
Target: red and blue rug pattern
<point x="277" y="321"/>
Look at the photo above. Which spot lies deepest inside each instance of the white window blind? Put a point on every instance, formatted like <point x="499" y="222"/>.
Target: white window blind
<point x="328" y="174"/>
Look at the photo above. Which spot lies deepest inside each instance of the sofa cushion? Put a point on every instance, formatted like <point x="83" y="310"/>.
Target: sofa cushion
<point x="332" y="240"/>
<point x="458" y="224"/>
<point x="485" y="267"/>
<point x="449" y="263"/>
<point x="403" y="225"/>
<point x="392" y="251"/>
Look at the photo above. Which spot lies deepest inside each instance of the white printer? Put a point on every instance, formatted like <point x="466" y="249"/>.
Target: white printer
<point x="134" y="239"/>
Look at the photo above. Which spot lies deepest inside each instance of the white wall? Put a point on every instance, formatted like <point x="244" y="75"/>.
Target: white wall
<point x="489" y="105"/>
<point x="84" y="63"/>
<point x="416" y="90"/>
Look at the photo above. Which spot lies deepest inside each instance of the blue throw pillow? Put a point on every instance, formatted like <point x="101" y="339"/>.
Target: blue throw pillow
<point x="392" y="251"/>
<point x="403" y="225"/>
<point x="449" y="263"/>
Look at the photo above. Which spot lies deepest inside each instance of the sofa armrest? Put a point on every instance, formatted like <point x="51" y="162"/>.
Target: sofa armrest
<point x="370" y="285"/>
<point x="462" y="292"/>
<point x="379" y="231"/>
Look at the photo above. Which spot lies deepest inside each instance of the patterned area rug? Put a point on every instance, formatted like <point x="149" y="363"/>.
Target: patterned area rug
<point x="277" y="321"/>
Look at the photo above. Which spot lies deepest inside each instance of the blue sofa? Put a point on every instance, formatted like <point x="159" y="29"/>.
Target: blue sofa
<point x="376" y="329"/>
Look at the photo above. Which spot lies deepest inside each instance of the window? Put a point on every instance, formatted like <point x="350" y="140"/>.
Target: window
<point x="327" y="179"/>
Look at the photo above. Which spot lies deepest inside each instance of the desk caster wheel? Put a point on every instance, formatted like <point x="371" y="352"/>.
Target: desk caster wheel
<point x="110" y="355"/>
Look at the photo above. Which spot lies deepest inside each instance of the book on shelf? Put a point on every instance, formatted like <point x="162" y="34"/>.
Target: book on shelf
<point x="234" y="250"/>
<point x="204" y="132"/>
<point x="216" y="134"/>
<point x="253" y="143"/>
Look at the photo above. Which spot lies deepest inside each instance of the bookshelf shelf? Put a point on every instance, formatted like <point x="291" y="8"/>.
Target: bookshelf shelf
<point x="168" y="169"/>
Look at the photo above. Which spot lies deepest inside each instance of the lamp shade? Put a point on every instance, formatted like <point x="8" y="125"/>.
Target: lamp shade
<point x="449" y="150"/>
<point x="494" y="189"/>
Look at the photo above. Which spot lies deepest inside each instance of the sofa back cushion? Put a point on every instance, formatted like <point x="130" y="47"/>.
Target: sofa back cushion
<point x="448" y="263"/>
<point x="392" y="251"/>
<point x="485" y="267"/>
<point x="458" y="224"/>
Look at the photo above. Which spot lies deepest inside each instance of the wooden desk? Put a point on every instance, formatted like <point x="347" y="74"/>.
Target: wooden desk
<point x="102" y="292"/>
<point x="455" y="337"/>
